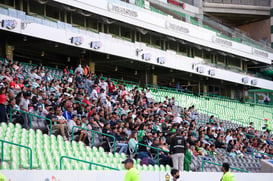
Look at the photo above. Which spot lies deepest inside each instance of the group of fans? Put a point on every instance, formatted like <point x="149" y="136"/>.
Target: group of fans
<point x="82" y="101"/>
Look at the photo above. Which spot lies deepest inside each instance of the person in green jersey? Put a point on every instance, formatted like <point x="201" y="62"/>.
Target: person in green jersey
<point x="132" y="173"/>
<point x="227" y="176"/>
<point x="187" y="159"/>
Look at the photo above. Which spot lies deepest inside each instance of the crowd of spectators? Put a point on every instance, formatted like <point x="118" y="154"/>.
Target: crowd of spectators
<point x="132" y="117"/>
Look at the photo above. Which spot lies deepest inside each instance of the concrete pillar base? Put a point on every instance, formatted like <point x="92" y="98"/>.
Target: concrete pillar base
<point x="9" y="51"/>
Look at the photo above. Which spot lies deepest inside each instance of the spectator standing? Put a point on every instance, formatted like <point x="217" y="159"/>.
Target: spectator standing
<point x="177" y="150"/>
<point x="79" y="69"/>
<point x="3" y="102"/>
<point x="187" y="159"/>
<point x="24" y="107"/>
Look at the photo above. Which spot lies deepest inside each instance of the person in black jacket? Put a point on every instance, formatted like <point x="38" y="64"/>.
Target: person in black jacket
<point x="177" y="150"/>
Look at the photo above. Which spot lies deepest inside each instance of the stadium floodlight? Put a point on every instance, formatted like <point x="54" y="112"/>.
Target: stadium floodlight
<point x="245" y="80"/>
<point x="200" y="69"/>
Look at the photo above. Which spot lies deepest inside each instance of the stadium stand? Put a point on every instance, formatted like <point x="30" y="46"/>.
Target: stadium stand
<point x="142" y="123"/>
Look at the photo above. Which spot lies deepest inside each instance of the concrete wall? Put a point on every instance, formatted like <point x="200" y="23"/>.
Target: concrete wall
<point x="166" y="25"/>
<point x="258" y="30"/>
<point x="54" y="175"/>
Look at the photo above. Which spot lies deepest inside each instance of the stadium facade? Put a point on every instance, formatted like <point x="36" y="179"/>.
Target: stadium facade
<point x="160" y="42"/>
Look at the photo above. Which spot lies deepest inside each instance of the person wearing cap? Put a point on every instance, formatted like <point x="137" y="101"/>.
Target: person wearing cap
<point x="227" y="176"/>
<point x="132" y="173"/>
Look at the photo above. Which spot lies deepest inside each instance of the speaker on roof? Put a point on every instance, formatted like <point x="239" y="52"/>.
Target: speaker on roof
<point x="9" y="24"/>
<point x="200" y="69"/>
<point x="254" y="82"/>
<point x="77" y="40"/>
<point x="161" y="60"/>
<point x="95" y="45"/>
<point x="245" y="80"/>
<point x="212" y="72"/>
<point x="146" y="56"/>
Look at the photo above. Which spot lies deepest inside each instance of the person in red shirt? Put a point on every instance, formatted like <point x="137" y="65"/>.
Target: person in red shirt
<point x="111" y="88"/>
<point x="20" y="84"/>
<point x="86" y="100"/>
<point x="3" y="103"/>
<point x="12" y="84"/>
<point x="91" y="112"/>
<point x="66" y="69"/>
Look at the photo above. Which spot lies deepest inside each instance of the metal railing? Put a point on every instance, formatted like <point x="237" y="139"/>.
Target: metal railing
<point x="264" y="111"/>
<point x="271" y="156"/>
<point x="84" y="161"/>
<point x="200" y="121"/>
<point x="238" y="121"/>
<point x="23" y="146"/>
<point x="30" y="118"/>
<point x="79" y="102"/>
<point x="226" y="107"/>
<point x="257" y="123"/>
<point x="209" y="113"/>
<point x="249" y="135"/>
<point x="241" y="2"/>
<point x="238" y="169"/>
<point x="93" y="131"/>
<point x="157" y="150"/>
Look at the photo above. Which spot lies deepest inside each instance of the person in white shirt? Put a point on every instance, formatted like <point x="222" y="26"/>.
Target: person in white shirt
<point x="177" y="119"/>
<point x="94" y="94"/>
<point x="61" y="123"/>
<point x="103" y="84"/>
<point x="34" y="75"/>
<point x="79" y="69"/>
<point x="221" y="128"/>
<point x="102" y="96"/>
<point x="71" y="123"/>
<point x="228" y="137"/>
<point x="24" y="107"/>
<point x="149" y="96"/>
<point x="36" y="83"/>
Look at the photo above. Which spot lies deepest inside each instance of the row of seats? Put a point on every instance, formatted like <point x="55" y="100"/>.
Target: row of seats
<point x="223" y="109"/>
<point x="47" y="150"/>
